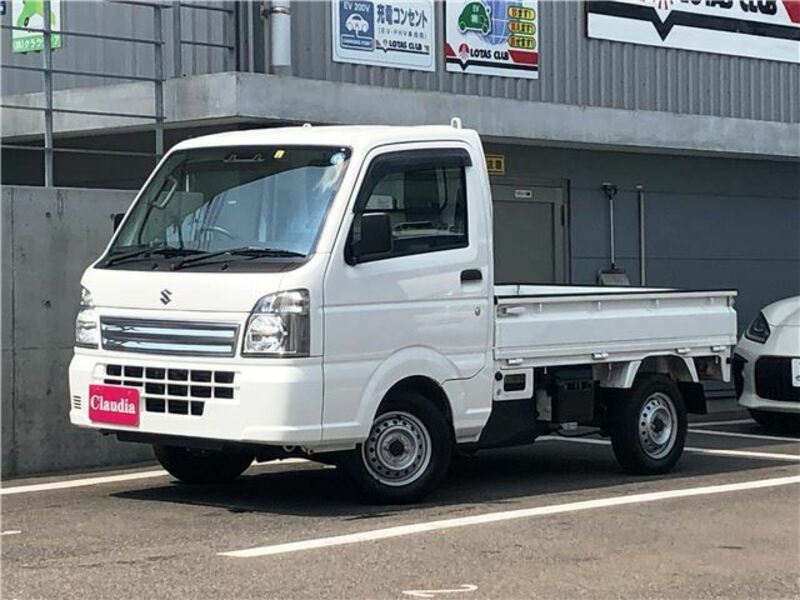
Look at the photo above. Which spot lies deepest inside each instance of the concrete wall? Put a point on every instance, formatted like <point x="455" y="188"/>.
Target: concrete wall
<point x="48" y="237"/>
<point x="711" y="223"/>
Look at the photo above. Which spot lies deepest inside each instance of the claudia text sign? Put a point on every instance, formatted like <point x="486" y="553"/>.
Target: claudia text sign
<point x="767" y="29"/>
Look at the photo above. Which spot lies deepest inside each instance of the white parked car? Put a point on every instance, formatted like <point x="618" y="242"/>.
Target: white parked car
<point x="767" y="366"/>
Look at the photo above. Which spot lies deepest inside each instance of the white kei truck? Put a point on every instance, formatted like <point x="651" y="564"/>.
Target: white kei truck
<point x="329" y="292"/>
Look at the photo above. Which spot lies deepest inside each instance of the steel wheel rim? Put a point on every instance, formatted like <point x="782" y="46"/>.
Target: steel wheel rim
<point x="658" y="425"/>
<point x="398" y="449"/>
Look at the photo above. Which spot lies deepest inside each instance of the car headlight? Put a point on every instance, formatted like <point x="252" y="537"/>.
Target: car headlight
<point x="279" y="325"/>
<point x="758" y="330"/>
<point x="87" y="334"/>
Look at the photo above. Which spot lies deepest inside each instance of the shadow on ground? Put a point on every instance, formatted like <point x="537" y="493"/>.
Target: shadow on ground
<point x="492" y="478"/>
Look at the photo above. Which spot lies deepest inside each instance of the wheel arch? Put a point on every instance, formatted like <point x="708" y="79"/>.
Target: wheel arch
<point x="677" y="368"/>
<point x="427" y="387"/>
<point x="623" y="375"/>
<point x="417" y="368"/>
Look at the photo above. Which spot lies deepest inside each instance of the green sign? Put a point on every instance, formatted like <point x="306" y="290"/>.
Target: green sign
<point x="30" y="13"/>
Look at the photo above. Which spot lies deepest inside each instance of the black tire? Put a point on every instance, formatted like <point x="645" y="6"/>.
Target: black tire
<point x="412" y="417"/>
<point x="640" y="418"/>
<point x="202" y="466"/>
<point x="776" y="422"/>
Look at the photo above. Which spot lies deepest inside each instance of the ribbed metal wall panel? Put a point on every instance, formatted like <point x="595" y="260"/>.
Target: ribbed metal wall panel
<point x="574" y="69"/>
<point x="579" y="71"/>
<point x="105" y="56"/>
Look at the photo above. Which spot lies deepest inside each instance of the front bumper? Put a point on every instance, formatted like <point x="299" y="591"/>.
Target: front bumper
<point x="745" y="365"/>
<point x="276" y="402"/>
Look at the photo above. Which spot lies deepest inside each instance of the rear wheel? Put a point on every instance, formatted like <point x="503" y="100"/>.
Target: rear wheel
<point x="406" y="454"/>
<point x="777" y="422"/>
<point x="202" y="466"/>
<point x="648" y="427"/>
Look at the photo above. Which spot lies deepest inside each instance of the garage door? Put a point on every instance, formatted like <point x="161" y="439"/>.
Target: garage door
<point x="528" y="234"/>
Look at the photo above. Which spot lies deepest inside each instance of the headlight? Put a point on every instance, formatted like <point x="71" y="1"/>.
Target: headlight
<point x="86" y="331"/>
<point x="758" y="330"/>
<point x="279" y="326"/>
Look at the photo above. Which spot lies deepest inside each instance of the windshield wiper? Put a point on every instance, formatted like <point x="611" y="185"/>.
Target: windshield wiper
<point x="249" y="251"/>
<point x="145" y="253"/>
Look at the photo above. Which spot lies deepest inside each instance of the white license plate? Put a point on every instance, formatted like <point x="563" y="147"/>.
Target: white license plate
<point x="796" y="372"/>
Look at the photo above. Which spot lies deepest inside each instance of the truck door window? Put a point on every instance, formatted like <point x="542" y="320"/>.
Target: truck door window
<point x="426" y="204"/>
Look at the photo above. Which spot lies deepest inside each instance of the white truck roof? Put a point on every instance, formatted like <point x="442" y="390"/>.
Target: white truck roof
<point x="353" y="136"/>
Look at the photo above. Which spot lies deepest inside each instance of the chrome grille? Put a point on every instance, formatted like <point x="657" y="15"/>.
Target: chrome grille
<point x="178" y="338"/>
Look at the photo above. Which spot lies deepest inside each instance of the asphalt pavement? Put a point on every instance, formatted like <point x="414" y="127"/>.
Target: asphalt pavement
<point x="557" y="519"/>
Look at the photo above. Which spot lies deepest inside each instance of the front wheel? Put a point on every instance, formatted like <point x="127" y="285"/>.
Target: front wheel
<point x="648" y="426"/>
<point x="202" y="466"/>
<point x="406" y="454"/>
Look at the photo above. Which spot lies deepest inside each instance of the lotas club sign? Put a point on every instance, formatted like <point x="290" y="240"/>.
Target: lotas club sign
<point x="766" y="29"/>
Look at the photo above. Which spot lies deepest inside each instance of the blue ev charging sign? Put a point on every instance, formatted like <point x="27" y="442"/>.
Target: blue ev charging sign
<point x="386" y="35"/>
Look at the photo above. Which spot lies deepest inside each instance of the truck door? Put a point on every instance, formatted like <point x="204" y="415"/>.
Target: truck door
<point x="423" y="306"/>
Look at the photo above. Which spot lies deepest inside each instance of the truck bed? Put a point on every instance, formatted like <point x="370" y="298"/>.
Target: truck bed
<point x="539" y="325"/>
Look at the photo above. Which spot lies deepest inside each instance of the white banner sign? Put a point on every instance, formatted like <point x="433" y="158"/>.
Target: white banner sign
<point x="397" y="34"/>
<point x="766" y="29"/>
<point x="492" y="37"/>
<point x="30" y="13"/>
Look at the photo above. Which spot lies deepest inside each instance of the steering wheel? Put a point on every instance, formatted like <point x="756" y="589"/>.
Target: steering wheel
<point x="218" y="229"/>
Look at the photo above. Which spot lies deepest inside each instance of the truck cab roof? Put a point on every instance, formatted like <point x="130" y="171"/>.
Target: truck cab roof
<point x="357" y="137"/>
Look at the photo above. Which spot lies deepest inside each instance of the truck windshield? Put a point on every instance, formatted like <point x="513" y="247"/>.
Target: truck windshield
<point x="270" y="201"/>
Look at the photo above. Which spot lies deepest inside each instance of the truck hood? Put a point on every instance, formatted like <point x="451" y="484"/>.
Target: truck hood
<point x="179" y="290"/>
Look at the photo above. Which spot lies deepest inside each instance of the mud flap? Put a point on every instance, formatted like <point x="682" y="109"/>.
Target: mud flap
<point x="708" y="397"/>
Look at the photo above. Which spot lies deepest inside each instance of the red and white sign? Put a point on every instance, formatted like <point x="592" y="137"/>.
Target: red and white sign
<point x="492" y="37"/>
<point x="766" y="29"/>
<point x="112" y="404"/>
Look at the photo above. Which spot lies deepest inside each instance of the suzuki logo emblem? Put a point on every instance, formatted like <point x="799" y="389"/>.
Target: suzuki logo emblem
<point x="166" y="296"/>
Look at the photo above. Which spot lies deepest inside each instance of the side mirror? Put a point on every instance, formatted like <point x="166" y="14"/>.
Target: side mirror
<point x="376" y="236"/>
<point x="117" y="219"/>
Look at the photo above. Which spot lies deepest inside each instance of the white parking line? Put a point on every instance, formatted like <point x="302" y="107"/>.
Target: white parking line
<point x="494" y="517"/>
<point x="464" y="588"/>
<point x="11" y="532"/>
<point x="73" y="483"/>
<point x="753" y="436"/>
<point x="711" y="451"/>
<point x="712" y="423"/>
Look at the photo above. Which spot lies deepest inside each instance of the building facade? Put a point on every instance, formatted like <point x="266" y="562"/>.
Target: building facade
<point x="681" y="119"/>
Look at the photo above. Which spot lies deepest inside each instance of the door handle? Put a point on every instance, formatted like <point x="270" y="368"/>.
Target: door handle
<point x="471" y="275"/>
